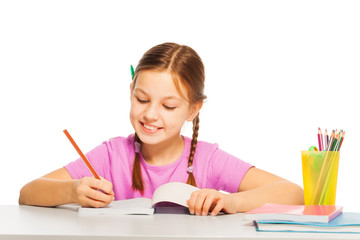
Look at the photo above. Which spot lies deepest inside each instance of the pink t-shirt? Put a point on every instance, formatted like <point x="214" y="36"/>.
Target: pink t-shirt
<point x="113" y="160"/>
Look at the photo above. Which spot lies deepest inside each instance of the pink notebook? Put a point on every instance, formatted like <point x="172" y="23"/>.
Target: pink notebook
<point x="297" y="213"/>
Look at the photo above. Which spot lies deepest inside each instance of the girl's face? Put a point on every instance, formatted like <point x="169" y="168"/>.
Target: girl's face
<point x="158" y="111"/>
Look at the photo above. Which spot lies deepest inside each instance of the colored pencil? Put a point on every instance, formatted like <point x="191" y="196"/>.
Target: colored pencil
<point x="336" y="140"/>
<point x="320" y="140"/>
<point x="88" y="164"/>
<point x="341" y="140"/>
<point x="338" y="137"/>
<point x="326" y="139"/>
<point x="331" y="141"/>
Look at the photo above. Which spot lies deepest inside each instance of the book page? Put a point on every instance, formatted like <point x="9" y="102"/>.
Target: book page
<point x="121" y="207"/>
<point x="174" y="192"/>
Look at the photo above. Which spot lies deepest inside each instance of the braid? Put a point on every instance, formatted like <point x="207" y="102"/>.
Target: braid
<point x="137" y="182"/>
<point x="191" y="178"/>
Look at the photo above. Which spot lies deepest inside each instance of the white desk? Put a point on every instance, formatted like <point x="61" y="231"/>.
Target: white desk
<point x="25" y="222"/>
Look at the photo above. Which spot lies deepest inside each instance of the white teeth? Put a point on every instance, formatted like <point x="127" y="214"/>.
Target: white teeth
<point x="150" y="127"/>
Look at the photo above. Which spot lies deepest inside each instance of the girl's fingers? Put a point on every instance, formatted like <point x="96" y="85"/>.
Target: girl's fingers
<point x="88" y="202"/>
<point x="192" y="201"/>
<point x="205" y="200"/>
<point x="199" y="203"/>
<point x="106" y="186"/>
<point x="94" y="192"/>
<point x="207" y="204"/>
<point x="102" y="185"/>
<point x="219" y="205"/>
<point x="100" y="196"/>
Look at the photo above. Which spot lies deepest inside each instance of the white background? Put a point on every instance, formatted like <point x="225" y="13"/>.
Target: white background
<point x="275" y="72"/>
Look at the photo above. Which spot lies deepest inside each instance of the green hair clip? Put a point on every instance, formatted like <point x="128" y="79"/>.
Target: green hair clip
<point x="132" y="72"/>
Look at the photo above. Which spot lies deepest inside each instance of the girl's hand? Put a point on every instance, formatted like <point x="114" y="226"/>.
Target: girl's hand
<point x="203" y="201"/>
<point x="91" y="192"/>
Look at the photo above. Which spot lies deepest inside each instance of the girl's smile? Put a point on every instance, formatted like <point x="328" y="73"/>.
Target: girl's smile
<point x="150" y="129"/>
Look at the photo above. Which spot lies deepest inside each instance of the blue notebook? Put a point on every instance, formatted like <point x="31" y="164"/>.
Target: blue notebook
<point x="347" y="222"/>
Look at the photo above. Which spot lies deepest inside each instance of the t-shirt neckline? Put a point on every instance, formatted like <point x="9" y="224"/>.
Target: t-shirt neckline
<point x="184" y="154"/>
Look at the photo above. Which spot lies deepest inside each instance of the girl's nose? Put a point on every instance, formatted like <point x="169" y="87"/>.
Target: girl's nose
<point x="151" y="113"/>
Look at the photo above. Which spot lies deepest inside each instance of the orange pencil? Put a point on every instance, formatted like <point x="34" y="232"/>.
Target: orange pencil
<point x="88" y="164"/>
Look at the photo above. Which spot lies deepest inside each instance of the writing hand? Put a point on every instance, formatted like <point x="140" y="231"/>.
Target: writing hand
<point x="92" y="192"/>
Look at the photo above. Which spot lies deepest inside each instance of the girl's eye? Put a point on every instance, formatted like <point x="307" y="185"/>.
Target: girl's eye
<point x="141" y="101"/>
<point x="169" y="108"/>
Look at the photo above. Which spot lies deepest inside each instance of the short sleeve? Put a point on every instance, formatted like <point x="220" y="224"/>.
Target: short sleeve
<point x="99" y="159"/>
<point x="226" y="171"/>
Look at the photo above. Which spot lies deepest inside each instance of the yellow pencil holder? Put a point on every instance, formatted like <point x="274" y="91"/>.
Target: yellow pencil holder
<point x="320" y="173"/>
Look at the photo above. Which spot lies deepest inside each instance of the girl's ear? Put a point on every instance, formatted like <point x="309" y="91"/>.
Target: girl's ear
<point x="195" y="109"/>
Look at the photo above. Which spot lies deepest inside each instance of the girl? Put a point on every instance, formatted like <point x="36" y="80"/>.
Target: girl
<point x="167" y="90"/>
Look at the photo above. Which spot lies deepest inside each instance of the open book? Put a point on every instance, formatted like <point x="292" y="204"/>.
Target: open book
<point x="173" y="192"/>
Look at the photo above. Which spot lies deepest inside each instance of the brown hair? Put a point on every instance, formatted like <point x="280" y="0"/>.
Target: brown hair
<point x="186" y="66"/>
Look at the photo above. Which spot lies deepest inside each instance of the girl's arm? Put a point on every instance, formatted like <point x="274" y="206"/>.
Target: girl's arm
<point x="257" y="188"/>
<point x="58" y="188"/>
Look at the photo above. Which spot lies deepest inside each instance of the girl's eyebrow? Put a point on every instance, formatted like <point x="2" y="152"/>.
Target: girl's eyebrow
<point x="165" y="98"/>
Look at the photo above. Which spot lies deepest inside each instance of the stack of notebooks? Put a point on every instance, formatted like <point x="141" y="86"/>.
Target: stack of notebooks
<point x="301" y="218"/>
